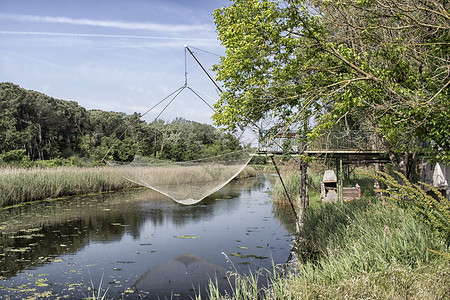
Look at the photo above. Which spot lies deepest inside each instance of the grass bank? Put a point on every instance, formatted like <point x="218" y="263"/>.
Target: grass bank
<point x="357" y="250"/>
<point x="19" y="185"/>
<point x="363" y="249"/>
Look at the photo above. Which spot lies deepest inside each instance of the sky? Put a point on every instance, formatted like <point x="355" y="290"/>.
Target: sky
<point x="113" y="55"/>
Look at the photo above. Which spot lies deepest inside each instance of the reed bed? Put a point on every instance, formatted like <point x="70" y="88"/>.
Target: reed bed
<point x="364" y="250"/>
<point x="247" y="172"/>
<point x="19" y="185"/>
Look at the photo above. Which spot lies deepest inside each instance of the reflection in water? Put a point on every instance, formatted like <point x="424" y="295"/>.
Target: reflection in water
<point x="182" y="277"/>
<point x="59" y="246"/>
<point x="284" y="213"/>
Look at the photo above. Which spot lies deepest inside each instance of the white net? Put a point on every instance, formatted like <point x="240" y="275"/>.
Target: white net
<point x="185" y="182"/>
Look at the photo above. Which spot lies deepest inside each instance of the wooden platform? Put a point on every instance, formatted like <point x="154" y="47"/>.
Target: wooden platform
<point x="347" y="156"/>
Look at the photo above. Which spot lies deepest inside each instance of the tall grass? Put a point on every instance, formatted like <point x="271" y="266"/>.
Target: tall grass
<point x="365" y="250"/>
<point x="18" y="185"/>
<point x="292" y="184"/>
<point x="291" y="179"/>
<point x="247" y="172"/>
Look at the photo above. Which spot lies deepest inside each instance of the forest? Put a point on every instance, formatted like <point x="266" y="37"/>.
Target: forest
<point x="35" y="127"/>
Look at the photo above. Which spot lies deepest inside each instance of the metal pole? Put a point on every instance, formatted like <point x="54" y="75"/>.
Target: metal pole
<point x="287" y="195"/>
<point x="220" y="90"/>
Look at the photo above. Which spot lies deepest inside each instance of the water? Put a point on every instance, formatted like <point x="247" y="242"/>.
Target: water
<point x="139" y="244"/>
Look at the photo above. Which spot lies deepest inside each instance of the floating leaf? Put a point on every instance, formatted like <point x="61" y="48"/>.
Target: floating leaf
<point x="238" y="255"/>
<point x="41" y="282"/>
<point x="186" y="237"/>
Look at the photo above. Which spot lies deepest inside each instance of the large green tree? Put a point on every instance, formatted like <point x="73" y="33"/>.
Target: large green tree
<point x="382" y="64"/>
<point x="36" y="126"/>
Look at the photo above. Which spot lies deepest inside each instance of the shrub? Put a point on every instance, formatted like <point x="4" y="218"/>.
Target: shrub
<point x="429" y="208"/>
<point x="14" y="156"/>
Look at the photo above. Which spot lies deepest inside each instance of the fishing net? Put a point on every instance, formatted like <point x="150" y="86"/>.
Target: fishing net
<point x="185" y="182"/>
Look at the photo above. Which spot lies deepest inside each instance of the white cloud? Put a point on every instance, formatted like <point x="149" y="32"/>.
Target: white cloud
<point x="111" y="24"/>
<point x="64" y="34"/>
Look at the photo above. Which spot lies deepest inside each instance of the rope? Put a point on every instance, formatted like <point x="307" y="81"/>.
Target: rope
<point x="178" y="91"/>
<point x="204" y="101"/>
<point x="150" y="109"/>
<point x="215" y="54"/>
<point x="167" y="105"/>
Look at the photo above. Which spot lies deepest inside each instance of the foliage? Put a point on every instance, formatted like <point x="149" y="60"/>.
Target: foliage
<point x="35" y="127"/>
<point x="14" y="156"/>
<point x="19" y="185"/>
<point x="366" y="250"/>
<point x="292" y="184"/>
<point x="431" y="207"/>
<point x="350" y="63"/>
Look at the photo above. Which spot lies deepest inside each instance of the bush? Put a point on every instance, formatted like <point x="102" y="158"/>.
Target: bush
<point x="14" y="156"/>
<point x="429" y="208"/>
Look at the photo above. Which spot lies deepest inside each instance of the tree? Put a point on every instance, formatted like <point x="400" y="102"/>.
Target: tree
<point x="384" y="64"/>
<point x="43" y="127"/>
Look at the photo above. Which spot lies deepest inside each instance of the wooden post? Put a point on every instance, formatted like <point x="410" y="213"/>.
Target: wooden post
<point x="339" y="175"/>
<point x="341" y="181"/>
<point x="303" y="196"/>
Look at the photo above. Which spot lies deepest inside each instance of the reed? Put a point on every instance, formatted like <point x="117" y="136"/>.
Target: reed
<point x="365" y="250"/>
<point x="247" y="172"/>
<point x="291" y="179"/>
<point x="292" y="184"/>
<point x="19" y="185"/>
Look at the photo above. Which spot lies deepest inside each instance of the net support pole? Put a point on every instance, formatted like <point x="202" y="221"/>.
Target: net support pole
<point x="204" y="70"/>
<point x="297" y="224"/>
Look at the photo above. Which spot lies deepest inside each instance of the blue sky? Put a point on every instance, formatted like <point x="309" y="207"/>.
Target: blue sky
<point x="112" y="55"/>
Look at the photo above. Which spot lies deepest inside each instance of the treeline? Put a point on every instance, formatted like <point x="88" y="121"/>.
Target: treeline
<point x="34" y="126"/>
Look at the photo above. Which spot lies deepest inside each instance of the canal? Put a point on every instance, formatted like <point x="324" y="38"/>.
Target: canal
<point x="141" y="245"/>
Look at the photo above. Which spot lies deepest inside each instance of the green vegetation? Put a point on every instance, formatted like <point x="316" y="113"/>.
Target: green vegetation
<point x="431" y="208"/>
<point x="316" y="66"/>
<point x="320" y="64"/>
<point x="35" y="127"/>
<point x="39" y="132"/>
<point x="361" y="249"/>
<point x="391" y="249"/>
<point x="18" y="185"/>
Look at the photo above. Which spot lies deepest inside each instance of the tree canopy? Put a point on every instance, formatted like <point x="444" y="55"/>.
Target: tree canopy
<point x="378" y="64"/>
<point x="35" y="126"/>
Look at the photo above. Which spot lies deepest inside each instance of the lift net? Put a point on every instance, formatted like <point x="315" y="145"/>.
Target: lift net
<point x="185" y="182"/>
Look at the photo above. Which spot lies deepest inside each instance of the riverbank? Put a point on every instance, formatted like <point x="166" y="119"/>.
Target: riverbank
<point x="358" y="250"/>
<point x="20" y="185"/>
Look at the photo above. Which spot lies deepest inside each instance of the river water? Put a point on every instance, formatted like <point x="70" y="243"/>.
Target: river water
<point x="141" y="245"/>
